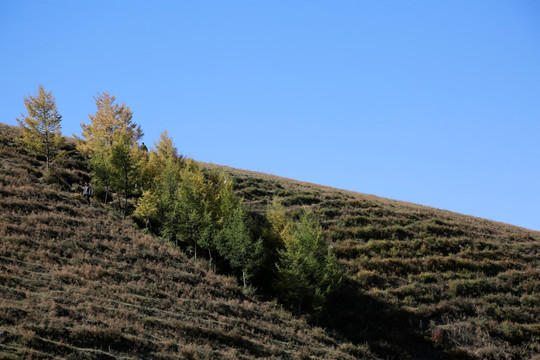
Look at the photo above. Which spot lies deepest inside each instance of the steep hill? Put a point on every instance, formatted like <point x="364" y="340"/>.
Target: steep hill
<point x="421" y="283"/>
<point x="76" y="282"/>
<point x="420" y="279"/>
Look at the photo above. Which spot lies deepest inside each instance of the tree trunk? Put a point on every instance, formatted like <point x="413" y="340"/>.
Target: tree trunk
<point x="244" y="278"/>
<point x="118" y="197"/>
<point x="47" y="148"/>
<point x="194" y="239"/>
<point x="125" y="192"/>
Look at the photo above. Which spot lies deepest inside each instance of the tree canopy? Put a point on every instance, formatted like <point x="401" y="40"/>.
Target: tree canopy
<point x="110" y="140"/>
<point x="105" y="123"/>
<point x="307" y="268"/>
<point x="41" y="128"/>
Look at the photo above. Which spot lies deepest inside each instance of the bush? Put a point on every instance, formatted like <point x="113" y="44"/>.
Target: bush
<point x="63" y="178"/>
<point x="472" y="287"/>
<point x="329" y="213"/>
<point x="369" y="279"/>
<point x="302" y="199"/>
<point x="253" y="191"/>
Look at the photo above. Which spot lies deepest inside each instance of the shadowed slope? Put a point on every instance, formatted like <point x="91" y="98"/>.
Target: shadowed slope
<point x="422" y="282"/>
<point x="76" y="282"/>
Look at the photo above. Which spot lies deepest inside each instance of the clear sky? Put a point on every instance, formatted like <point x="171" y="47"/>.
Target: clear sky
<point x="431" y="102"/>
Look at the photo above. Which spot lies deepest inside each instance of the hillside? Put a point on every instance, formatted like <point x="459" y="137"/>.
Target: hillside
<point x="78" y="283"/>
<point x="420" y="279"/>
<point x="421" y="283"/>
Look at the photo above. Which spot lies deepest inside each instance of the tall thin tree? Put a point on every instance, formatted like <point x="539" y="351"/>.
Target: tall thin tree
<point x="41" y="129"/>
<point x="110" y="140"/>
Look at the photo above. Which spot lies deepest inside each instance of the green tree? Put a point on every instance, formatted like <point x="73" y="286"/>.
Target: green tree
<point x="102" y="172"/>
<point x="237" y="245"/>
<point x="190" y="207"/>
<point x="41" y="129"/>
<point x="162" y="161"/>
<point x="166" y="188"/>
<point x="203" y="204"/>
<point x="307" y="268"/>
<point x="110" y="140"/>
<point x="274" y="229"/>
<point x="125" y="166"/>
<point x="198" y="207"/>
<point x="147" y="207"/>
<point x="161" y="177"/>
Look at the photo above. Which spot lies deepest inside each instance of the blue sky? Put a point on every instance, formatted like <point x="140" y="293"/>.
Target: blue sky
<point x="431" y="102"/>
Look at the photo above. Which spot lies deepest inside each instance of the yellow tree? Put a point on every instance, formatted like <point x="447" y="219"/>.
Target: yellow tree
<point x="41" y="129"/>
<point x="275" y="232"/>
<point x="110" y="139"/>
<point x="147" y="207"/>
<point x="203" y="204"/>
<point x="161" y="178"/>
<point x="279" y="225"/>
<point x="108" y="119"/>
<point x="165" y="155"/>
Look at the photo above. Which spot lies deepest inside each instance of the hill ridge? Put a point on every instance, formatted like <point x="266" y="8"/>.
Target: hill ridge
<point x="467" y="283"/>
<point x="234" y="170"/>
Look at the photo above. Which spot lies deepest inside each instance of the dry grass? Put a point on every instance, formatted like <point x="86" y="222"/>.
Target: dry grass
<point x="421" y="283"/>
<point x="77" y="283"/>
<point x="414" y="270"/>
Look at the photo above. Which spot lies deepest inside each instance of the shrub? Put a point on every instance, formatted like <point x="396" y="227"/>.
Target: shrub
<point x="302" y="199"/>
<point x="329" y="213"/>
<point x="472" y="287"/>
<point x="368" y="279"/>
<point x="358" y="220"/>
<point x="66" y="173"/>
<point x="252" y="192"/>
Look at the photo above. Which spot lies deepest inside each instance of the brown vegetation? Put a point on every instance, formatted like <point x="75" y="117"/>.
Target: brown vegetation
<point x="422" y="282"/>
<point x="78" y="283"/>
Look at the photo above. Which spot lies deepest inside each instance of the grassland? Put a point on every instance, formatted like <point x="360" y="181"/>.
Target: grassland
<point x="421" y="282"/>
<point x="76" y="282"/>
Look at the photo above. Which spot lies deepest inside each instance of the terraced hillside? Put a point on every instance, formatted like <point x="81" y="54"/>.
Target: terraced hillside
<point x="420" y="279"/>
<point x="78" y="283"/>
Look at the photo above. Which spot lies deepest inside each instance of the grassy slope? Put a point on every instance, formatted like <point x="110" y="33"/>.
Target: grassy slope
<point x="422" y="282"/>
<point x="76" y="282"/>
